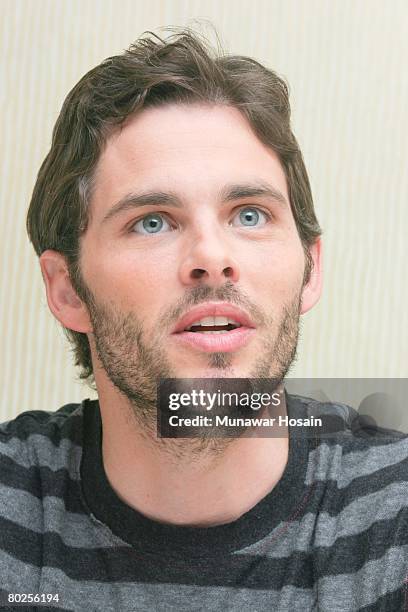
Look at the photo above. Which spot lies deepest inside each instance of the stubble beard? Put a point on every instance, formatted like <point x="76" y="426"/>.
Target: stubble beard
<point x="135" y="365"/>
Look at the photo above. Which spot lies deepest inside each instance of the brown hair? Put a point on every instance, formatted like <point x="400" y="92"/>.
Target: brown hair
<point x="182" y="68"/>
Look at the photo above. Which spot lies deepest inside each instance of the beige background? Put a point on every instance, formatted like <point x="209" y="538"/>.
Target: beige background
<point x="346" y="63"/>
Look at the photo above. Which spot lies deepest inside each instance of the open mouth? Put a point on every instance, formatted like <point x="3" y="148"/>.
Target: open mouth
<point x="213" y="325"/>
<point x="215" y="334"/>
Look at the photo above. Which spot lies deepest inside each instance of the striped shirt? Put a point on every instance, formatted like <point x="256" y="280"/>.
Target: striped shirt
<point x="332" y="534"/>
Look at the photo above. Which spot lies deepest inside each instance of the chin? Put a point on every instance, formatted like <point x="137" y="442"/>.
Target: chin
<point x="211" y="372"/>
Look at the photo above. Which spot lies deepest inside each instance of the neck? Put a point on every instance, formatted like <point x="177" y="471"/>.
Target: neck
<point x="170" y="481"/>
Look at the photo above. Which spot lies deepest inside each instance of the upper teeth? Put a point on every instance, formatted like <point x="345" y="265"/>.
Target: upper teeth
<point x="211" y="321"/>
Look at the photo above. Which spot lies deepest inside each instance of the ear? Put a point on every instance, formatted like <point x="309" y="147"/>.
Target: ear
<point x="313" y="289"/>
<point x="62" y="299"/>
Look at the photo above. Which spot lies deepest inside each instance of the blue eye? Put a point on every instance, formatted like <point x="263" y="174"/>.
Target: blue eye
<point x="151" y="224"/>
<point x="249" y="217"/>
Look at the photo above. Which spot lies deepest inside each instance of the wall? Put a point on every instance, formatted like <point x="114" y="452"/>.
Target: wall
<point x="345" y="62"/>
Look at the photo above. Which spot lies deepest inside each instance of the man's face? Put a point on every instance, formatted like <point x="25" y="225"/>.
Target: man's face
<point x="149" y="265"/>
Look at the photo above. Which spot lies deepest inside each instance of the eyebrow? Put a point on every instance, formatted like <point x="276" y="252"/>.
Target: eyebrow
<point x="229" y="193"/>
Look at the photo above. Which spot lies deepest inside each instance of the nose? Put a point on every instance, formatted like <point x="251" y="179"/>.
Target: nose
<point x="208" y="259"/>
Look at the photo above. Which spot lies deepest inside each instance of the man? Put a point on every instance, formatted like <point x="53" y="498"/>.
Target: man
<point x="174" y="203"/>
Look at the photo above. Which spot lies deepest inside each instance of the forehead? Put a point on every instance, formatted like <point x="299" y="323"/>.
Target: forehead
<point x="192" y="149"/>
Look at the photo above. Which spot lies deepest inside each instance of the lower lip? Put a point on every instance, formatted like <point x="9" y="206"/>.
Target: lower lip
<point x="223" y="343"/>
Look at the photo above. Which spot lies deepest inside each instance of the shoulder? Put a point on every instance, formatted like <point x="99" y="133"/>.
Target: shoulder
<point x="39" y="470"/>
<point x="40" y="455"/>
<point x="356" y="437"/>
<point x="359" y="469"/>
<point x="56" y="426"/>
<point x="39" y="439"/>
<point x="355" y="459"/>
<point x="359" y="476"/>
<point x="35" y="421"/>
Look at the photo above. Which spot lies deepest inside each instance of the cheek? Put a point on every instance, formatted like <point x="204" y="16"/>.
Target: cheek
<point x="133" y="280"/>
<point x="274" y="272"/>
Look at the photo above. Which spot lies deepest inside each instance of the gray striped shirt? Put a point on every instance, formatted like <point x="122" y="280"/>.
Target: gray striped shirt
<point x="332" y="535"/>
